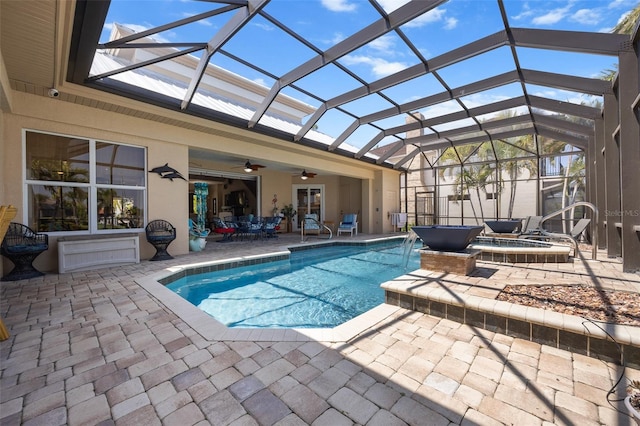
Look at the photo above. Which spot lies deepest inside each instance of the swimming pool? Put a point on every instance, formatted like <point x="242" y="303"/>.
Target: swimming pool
<point x="317" y="288"/>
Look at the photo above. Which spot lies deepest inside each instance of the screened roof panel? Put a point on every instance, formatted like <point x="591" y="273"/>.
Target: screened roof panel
<point x="384" y="56"/>
<point x="367" y="105"/>
<point x="452" y="25"/>
<point x="316" y="82"/>
<point x="261" y="41"/>
<point x="340" y="19"/>
<point x="346" y="73"/>
<point x="568" y="63"/>
<point x="477" y="68"/>
<point x="563" y="95"/>
<point x="452" y="125"/>
<point x="514" y="148"/>
<point x="413" y="89"/>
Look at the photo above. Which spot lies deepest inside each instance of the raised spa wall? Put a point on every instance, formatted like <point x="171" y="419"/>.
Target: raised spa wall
<point x="511" y="250"/>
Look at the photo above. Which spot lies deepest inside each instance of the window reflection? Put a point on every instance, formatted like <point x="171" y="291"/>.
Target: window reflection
<point x="58" y="208"/>
<point x="119" y="165"/>
<point x="120" y="208"/>
<point x="58" y="158"/>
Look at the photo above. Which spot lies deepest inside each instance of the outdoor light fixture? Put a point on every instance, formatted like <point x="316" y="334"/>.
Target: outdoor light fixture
<point x="304" y="176"/>
<point x="247" y="167"/>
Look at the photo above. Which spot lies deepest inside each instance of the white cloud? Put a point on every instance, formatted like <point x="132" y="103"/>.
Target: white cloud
<point x="434" y="15"/>
<point x="391" y="5"/>
<point x="339" y="5"/>
<point x="619" y="3"/>
<point x="263" y="26"/>
<point x="337" y="38"/>
<point x="587" y="17"/>
<point x="201" y="21"/>
<point x="379" y="67"/>
<point x="450" y="23"/>
<point x="552" y="17"/>
<point x="526" y="12"/>
<point x="383" y="43"/>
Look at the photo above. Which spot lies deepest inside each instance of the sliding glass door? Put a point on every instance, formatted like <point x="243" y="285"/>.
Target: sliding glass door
<point x="308" y="199"/>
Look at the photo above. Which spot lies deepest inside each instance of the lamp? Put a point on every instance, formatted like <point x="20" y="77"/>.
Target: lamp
<point x="247" y="167"/>
<point x="304" y="176"/>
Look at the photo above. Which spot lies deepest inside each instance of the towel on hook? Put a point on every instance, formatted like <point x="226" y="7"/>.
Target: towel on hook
<point x="398" y="219"/>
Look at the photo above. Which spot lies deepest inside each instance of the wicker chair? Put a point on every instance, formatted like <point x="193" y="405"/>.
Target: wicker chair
<point x="21" y="245"/>
<point x="160" y="234"/>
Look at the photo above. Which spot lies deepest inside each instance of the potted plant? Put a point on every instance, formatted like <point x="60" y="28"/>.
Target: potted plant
<point x="289" y="213"/>
<point x="632" y="401"/>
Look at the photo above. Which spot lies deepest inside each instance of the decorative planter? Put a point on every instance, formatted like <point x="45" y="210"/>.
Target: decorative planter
<point x="632" y="411"/>
<point x="446" y="237"/>
<point x="503" y="226"/>
<point x="197" y="243"/>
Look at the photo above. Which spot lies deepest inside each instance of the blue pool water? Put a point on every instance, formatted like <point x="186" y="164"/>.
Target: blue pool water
<point x="321" y="287"/>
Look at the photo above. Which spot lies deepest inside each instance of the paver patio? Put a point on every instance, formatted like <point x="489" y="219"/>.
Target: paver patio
<point x="96" y="348"/>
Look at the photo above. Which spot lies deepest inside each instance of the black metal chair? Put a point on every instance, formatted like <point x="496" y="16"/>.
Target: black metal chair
<point x="160" y="234"/>
<point x="21" y="245"/>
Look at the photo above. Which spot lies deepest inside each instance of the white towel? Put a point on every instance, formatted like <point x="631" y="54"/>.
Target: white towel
<point x="398" y="219"/>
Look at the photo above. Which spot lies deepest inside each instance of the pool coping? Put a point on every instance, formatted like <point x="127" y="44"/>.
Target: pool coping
<point x="212" y="329"/>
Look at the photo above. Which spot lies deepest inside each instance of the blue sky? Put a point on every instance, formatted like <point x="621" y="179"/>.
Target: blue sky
<point x="325" y="22"/>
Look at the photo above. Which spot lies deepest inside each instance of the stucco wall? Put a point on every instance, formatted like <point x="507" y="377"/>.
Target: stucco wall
<point x="165" y="143"/>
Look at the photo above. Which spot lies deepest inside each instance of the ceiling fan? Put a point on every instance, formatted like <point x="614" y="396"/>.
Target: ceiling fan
<point x="307" y="175"/>
<point x="248" y="167"/>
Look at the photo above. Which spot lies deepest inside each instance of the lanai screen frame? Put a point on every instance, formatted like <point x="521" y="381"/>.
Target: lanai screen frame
<point x="557" y="122"/>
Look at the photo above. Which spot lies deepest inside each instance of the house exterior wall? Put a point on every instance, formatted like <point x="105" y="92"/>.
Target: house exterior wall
<point x="166" y="143"/>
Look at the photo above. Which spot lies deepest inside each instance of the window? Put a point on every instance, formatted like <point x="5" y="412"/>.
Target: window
<point x="76" y="184"/>
<point x="458" y="197"/>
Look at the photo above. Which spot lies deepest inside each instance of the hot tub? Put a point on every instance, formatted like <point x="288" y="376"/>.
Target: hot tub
<point x="514" y="250"/>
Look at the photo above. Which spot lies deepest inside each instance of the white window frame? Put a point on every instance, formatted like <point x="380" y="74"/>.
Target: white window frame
<point x="92" y="186"/>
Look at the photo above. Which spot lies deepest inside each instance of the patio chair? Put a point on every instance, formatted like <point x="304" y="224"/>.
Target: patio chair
<point x="348" y="224"/>
<point x="256" y="225"/>
<point x="312" y="224"/>
<point x="160" y="234"/>
<point x="221" y="227"/>
<point x="21" y="245"/>
<point x="271" y="226"/>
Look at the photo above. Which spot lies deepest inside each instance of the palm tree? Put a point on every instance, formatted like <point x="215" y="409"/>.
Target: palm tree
<point x="626" y="26"/>
<point x="628" y="23"/>
<point x="470" y="176"/>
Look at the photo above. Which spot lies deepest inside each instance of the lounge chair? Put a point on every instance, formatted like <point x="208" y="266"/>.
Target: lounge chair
<point x="572" y="237"/>
<point x="348" y="224"/>
<point x="531" y="225"/>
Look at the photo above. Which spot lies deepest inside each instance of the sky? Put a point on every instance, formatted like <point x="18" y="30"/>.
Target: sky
<point x="326" y="22"/>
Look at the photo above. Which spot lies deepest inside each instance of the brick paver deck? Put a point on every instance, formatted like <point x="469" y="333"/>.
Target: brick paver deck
<point x="96" y="348"/>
